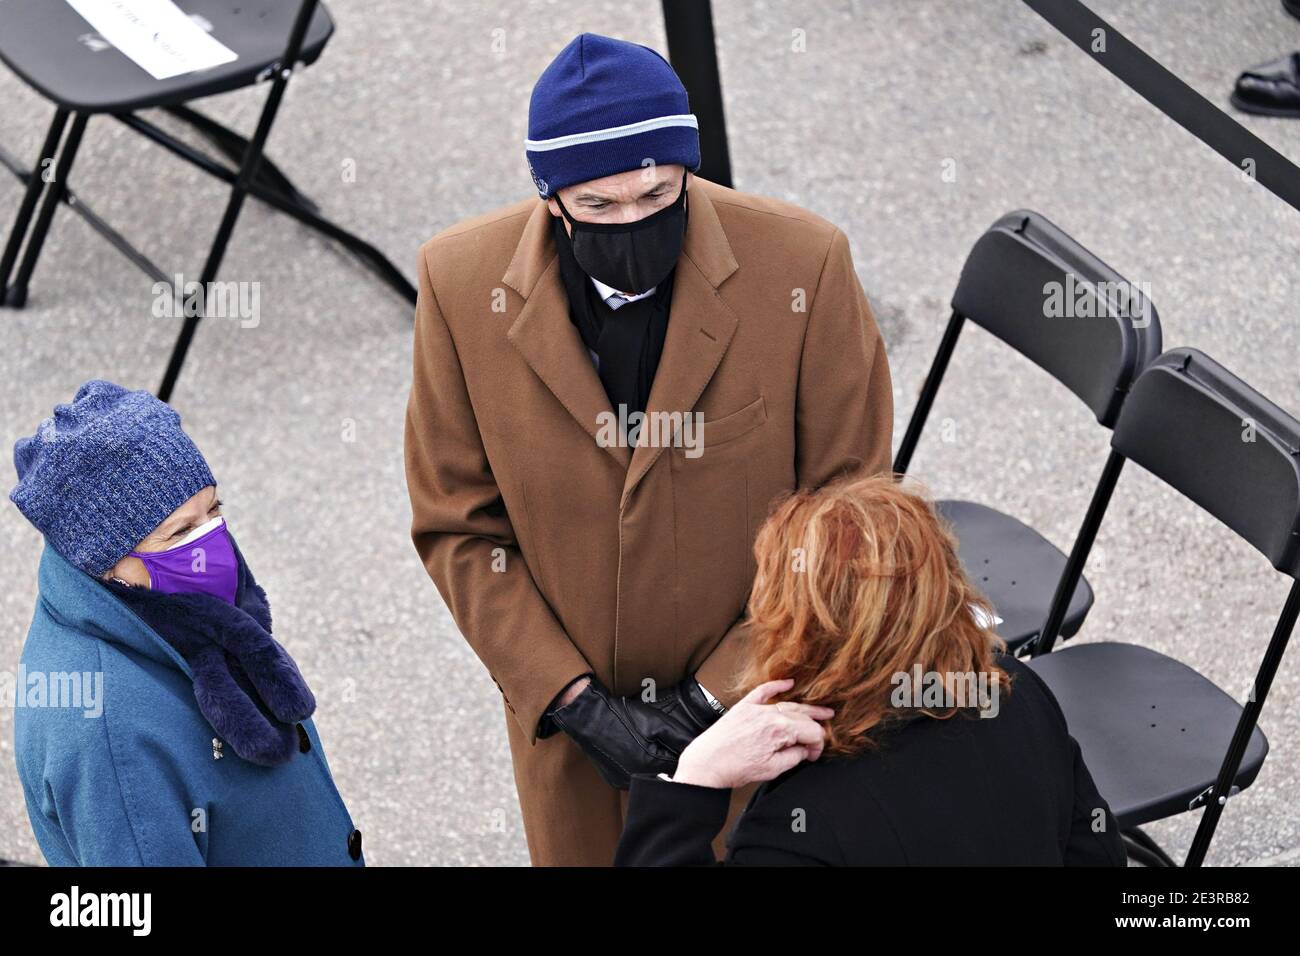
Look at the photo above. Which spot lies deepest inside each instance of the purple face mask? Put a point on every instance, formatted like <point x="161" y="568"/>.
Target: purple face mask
<point x="204" y="562"/>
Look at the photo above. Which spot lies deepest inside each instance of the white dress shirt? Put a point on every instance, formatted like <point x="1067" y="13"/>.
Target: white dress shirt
<point x="613" y="298"/>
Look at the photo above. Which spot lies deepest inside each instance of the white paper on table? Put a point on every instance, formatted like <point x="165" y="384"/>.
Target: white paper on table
<point x="156" y="34"/>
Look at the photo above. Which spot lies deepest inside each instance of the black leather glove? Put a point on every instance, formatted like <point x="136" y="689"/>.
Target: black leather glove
<point x="686" y="712"/>
<point x="626" y="735"/>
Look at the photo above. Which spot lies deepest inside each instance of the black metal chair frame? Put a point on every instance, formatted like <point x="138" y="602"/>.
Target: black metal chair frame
<point x="255" y="175"/>
<point x="1283" y="549"/>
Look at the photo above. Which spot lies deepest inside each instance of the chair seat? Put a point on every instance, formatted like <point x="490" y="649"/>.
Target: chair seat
<point x="1015" y="567"/>
<point x="1152" y="730"/>
<point x="41" y="41"/>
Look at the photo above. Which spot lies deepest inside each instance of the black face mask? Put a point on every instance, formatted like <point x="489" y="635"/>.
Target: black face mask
<point x="631" y="256"/>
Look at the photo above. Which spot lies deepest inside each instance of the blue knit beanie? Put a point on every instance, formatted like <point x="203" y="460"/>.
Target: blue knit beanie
<point x="103" y="472"/>
<point x="605" y="106"/>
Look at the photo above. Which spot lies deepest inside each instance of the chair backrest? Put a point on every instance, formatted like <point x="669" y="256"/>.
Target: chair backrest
<point x="1052" y="300"/>
<point x="1212" y="437"/>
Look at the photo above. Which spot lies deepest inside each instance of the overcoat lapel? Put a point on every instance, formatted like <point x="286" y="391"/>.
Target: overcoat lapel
<point x="545" y="336"/>
<point x="700" y="326"/>
<point x="549" y="343"/>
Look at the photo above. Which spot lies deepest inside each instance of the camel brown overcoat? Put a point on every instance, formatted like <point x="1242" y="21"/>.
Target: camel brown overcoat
<point x="559" y="552"/>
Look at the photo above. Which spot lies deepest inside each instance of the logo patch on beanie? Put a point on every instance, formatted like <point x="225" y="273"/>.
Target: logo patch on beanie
<point x="538" y="181"/>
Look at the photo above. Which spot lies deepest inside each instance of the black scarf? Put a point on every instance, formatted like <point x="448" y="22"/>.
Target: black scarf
<point x="628" y="341"/>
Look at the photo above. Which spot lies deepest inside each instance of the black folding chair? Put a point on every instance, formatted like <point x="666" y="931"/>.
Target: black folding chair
<point x="1096" y="350"/>
<point x="1159" y="738"/>
<point x="53" y="49"/>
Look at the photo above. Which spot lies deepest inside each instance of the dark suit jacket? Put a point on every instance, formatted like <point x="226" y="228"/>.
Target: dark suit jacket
<point x="1006" y="790"/>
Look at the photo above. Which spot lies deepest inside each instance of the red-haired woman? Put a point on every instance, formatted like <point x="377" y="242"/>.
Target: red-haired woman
<point x="881" y="713"/>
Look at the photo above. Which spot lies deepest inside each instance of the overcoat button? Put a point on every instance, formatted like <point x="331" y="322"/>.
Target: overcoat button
<point x="304" y="742"/>
<point x="354" y="845"/>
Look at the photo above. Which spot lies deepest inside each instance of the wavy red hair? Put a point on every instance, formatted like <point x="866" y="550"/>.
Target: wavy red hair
<point x="857" y="582"/>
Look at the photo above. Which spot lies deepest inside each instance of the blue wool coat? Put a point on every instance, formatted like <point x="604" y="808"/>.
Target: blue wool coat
<point x="127" y="776"/>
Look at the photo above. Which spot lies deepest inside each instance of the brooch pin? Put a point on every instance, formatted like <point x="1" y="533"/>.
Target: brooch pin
<point x="216" y="749"/>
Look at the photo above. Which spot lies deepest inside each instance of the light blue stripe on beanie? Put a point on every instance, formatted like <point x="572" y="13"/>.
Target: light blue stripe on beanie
<point x="104" y="471"/>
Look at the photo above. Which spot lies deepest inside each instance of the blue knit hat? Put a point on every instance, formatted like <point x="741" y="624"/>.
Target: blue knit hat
<point x="605" y="106"/>
<point x="103" y="472"/>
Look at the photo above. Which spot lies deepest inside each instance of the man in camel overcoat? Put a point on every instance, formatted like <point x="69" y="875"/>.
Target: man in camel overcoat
<point x="613" y="380"/>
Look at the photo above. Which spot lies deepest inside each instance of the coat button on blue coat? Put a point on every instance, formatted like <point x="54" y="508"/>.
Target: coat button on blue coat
<point x="354" y="845"/>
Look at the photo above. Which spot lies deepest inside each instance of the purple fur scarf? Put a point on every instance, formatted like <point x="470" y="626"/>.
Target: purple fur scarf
<point x="246" y="684"/>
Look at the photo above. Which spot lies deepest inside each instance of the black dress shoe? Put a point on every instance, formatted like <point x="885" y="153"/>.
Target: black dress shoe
<point x="1272" y="89"/>
<point x="1292" y="7"/>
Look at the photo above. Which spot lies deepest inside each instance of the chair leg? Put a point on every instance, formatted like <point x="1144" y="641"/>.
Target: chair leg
<point x="1136" y="851"/>
<point x="235" y="147"/>
<point x="247" y="177"/>
<point x="928" y="390"/>
<point x="35" y="184"/>
<point x="238" y="193"/>
<point x="17" y="293"/>
<point x="1143" y="839"/>
<point x="1246" y="723"/>
<point x="285" y="198"/>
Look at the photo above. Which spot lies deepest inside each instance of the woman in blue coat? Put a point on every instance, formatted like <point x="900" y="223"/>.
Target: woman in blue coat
<point x="157" y="722"/>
